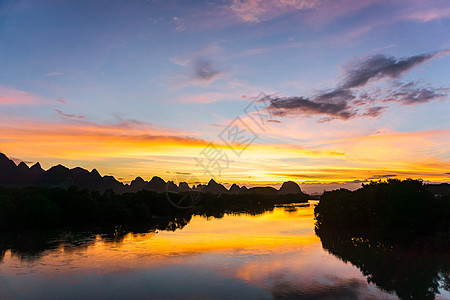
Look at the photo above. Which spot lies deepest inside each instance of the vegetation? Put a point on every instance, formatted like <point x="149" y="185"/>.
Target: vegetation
<point x="396" y="232"/>
<point x="394" y="209"/>
<point x="41" y="207"/>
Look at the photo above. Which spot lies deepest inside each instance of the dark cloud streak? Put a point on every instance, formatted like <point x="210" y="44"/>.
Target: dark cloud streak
<point x="375" y="111"/>
<point x="204" y="71"/>
<point x="359" y="73"/>
<point x="410" y="94"/>
<point x="343" y="102"/>
<point x="288" y="105"/>
<point x="383" y="176"/>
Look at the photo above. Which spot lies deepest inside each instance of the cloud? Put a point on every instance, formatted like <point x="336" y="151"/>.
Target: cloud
<point x="383" y="176"/>
<point x="305" y="106"/>
<point x="360" y="181"/>
<point x="52" y="74"/>
<point x="255" y="11"/>
<point x="317" y="14"/>
<point x="184" y="62"/>
<point x="123" y="148"/>
<point x="411" y="93"/>
<point x="374" y="111"/>
<point x="205" y="98"/>
<point x="70" y="116"/>
<point x="201" y="65"/>
<point x="9" y="96"/>
<point x="204" y="71"/>
<point x="377" y="67"/>
<point x="324" y="11"/>
<point x="336" y="95"/>
<point x="271" y="48"/>
<point x="69" y="138"/>
<point x="60" y="100"/>
<point x="431" y="11"/>
<point x="180" y="25"/>
<point x="183" y="173"/>
<point x="308" y="176"/>
<point x="17" y="161"/>
<point x="355" y="93"/>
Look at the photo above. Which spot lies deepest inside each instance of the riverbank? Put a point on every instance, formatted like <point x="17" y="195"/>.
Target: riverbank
<point x="40" y="207"/>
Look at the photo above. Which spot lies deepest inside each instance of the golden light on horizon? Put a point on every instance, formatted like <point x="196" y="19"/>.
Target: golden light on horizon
<point x="128" y="151"/>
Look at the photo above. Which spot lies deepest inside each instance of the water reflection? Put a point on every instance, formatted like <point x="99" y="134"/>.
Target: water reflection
<point x="411" y="271"/>
<point x="31" y="245"/>
<point x="251" y="254"/>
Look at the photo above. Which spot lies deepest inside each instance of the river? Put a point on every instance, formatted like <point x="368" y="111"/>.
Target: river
<point x="274" y="255"/>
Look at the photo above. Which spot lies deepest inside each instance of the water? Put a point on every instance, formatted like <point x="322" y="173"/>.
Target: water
<point x="272" y="255"/>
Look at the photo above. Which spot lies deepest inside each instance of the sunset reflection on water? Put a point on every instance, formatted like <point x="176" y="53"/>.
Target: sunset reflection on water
<point x="275" y="254"/>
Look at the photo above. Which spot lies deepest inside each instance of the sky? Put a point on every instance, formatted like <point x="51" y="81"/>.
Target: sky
<point x="327" y="93"/>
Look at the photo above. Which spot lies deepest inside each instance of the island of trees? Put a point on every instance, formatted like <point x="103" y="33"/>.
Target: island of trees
<point x="398" y="209"/>
<point x="396" y="232"/>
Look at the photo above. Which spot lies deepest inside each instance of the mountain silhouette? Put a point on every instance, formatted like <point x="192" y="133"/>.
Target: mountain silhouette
<point x="16" y="176"/>
<point x="183" y="187"/>
<point x="57" y="176"/>
<point x="156" y="184"/>
<point x="215" y="188"/>
<point x="137" y="184"/>
<point x="265" y="190"/>
<point x="9" y="175"/>
<point x="290" y="187"/>
<point x="172" y="187"/>
<point x="234" y="189"/>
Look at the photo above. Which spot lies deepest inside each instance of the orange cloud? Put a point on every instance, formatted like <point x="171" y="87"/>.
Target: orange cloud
<point x="128" y="149"/>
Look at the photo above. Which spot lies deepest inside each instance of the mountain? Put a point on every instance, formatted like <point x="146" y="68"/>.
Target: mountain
<point x="172" y="187"/>
<point x="199" y="188"/>
<point x="183" y="187"/>
<point x="244" y="189"/>
<point x="137" y="185"/>
<point x="85" y="179"/>
<point x="23" y="168"/>
<point x="265" y="190"/>
<point x="290" y="187"/>
<point x="57" y="176"/>
<point x="156" y="184"/>
<point x="234" y="189"/>
<point x="215" y="188"/>
<point x="12" y="175"/>
<point x="35" y="174"/>
<point x="9" y="174"/>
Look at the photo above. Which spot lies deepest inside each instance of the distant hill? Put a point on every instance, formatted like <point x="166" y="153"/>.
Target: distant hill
<point x="16" y="176"/>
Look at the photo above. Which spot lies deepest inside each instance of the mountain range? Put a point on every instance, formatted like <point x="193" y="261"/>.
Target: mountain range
<point x="12" y="175"/>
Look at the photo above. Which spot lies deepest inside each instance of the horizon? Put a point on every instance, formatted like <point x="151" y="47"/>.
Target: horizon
<point x="325" y="94"/>
<point x="192" y="183"/>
